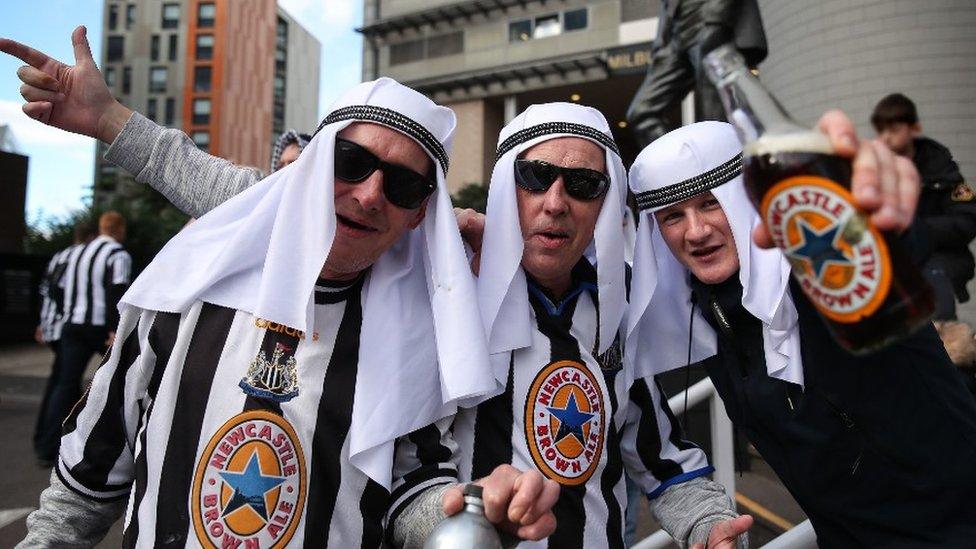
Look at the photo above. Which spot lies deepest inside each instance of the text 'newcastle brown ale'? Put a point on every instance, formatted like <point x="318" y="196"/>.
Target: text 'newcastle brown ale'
<point x="862" y="281"/>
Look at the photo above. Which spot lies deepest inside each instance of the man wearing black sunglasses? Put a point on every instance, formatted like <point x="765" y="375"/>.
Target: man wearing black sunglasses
<point x="552" y="295"/>
<point x="304" y="313"/>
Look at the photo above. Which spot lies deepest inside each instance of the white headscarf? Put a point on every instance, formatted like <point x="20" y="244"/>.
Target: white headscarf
<point x="502" y="290"/>
<point x="288" y="137"/>
<point x="422" y="346"/>
<point x="684" y="163"/>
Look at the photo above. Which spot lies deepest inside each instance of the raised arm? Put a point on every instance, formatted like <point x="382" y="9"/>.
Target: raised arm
<point x="75" y="98"/>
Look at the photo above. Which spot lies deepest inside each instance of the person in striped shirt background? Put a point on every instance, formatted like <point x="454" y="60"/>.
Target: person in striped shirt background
<point x="49" y="330"/>
<point x="95" y="275"/>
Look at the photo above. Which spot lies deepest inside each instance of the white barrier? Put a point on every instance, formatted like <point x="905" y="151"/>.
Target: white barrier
<point x="801" y="536"/>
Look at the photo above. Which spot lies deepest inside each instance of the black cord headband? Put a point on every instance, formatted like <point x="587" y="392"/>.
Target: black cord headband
<point x="672" y="194"/>
<point x="395" y="120"/>
<point x="547" y="128"/>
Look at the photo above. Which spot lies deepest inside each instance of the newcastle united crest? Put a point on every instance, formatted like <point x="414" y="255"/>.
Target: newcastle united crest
<point x="272" y="379"/>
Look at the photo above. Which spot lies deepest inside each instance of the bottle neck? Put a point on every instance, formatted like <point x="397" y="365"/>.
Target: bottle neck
<point x="753" y="111"/>
<point x="474" y="505"/>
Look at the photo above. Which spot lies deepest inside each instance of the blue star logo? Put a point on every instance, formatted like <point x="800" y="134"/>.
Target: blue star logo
<point x="571" y="420"/>
<point x="818" y="248"/>
<point x="250" y="487"/>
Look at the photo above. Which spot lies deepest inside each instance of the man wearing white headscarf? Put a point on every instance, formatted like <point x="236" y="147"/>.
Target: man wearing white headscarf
<point x="878" y="449"/>
<point x="287" y="147"/>
<point x="552" y="291"/>
<point x="266" y="388"/>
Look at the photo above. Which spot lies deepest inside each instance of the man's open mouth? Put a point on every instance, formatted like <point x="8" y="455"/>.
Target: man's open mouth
<point x="353" y="225"/>
<point x="705" y="252"/>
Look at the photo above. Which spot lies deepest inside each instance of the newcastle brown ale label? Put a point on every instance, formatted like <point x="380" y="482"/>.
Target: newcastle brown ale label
<point x="839" y="259"/>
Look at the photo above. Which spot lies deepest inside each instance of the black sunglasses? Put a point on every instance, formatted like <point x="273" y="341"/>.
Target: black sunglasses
<point x="580" y="183"/>
<point x="402" y="186"/>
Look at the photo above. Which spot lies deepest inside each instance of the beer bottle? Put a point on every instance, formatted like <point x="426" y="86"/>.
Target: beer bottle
<point x="468" y="529"/>
<point x="861" y="280"/>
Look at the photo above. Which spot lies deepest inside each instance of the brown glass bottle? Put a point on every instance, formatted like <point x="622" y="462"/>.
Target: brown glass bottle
<point x="862" y="281"/>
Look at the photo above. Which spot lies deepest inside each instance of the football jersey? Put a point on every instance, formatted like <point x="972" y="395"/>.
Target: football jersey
<point x="227" y="430"/>
<point x="567" y="412"/>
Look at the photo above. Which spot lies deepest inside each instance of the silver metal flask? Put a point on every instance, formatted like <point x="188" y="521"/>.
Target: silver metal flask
<point x="468" y="529"/>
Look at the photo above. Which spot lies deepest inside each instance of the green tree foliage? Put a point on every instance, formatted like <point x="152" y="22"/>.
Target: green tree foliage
<point x="472" y="195"/>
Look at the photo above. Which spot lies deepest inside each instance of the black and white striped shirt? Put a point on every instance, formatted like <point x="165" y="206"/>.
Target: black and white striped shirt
<point x="94" y="280"/>
<point x="52" y="295"/>
<point x="569" y="415"/>
<point x="225" y="430"/>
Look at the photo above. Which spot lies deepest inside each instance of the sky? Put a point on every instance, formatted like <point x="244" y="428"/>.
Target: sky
<point x="62" y="164"/>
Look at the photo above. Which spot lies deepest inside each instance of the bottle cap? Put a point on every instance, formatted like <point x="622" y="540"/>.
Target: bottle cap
<point x="472" y="490"/>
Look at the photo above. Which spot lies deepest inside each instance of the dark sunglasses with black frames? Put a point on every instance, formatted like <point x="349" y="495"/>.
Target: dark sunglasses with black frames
<point x="402" y="186"/>
<point x="580" y="183"/>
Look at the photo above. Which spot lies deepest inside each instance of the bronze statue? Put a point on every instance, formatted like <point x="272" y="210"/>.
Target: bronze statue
<point x="687" y="30"/>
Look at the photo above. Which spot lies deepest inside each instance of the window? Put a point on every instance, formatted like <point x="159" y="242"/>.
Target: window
<point x="126" y="80"/>
<point x="574" y="19"/>
<point x="201" y="79"/>
<point x="205" y="45"/>
<point x="546" y="26"/>
<point x="130" y="16"/>
<point x="445" y="44"/>
<point x="632" y="10"/>
<point x="170" y="111"/>
<point x="279" y="84"/>
<point x="520" y="31"/>
<point x="171" y="16"/>
<point x="406" y="52"/>
<point x="172" y="47"/>
<point x="201" y="111"/>
<point x="116" y="48"/>
<point x="110" y="77"/>
<point x="154" y="47"/>
<point x="206" y="13"/>
<point x="151" y="109"/>
<point x="157" y="79"/>
<point x="113" y="17"/>
<point x="427" y="48"/>
<point x="201" y="139"/>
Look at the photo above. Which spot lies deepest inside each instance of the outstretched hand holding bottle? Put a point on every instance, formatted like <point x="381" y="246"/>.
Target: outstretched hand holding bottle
<point x="837" y="221"/>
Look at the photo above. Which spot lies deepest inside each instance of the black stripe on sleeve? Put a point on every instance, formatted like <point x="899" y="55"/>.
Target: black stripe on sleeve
<point x="677" y="433"/>
<point x="372" y="506"/>
<point x="430" y="462"/>
<point x="162" y="338"/>
<point x="202" y="356"/>
<point x="493" y="430"/>
<point x="649" y="436"/>
<point x="107" y="440"/>
<point x="332" y="426"/>
<point x="131" y="533"/>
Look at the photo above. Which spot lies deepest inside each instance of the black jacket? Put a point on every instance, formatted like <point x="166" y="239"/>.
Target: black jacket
<point x="947" y="211"/>
<point x="878" y="450"/>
